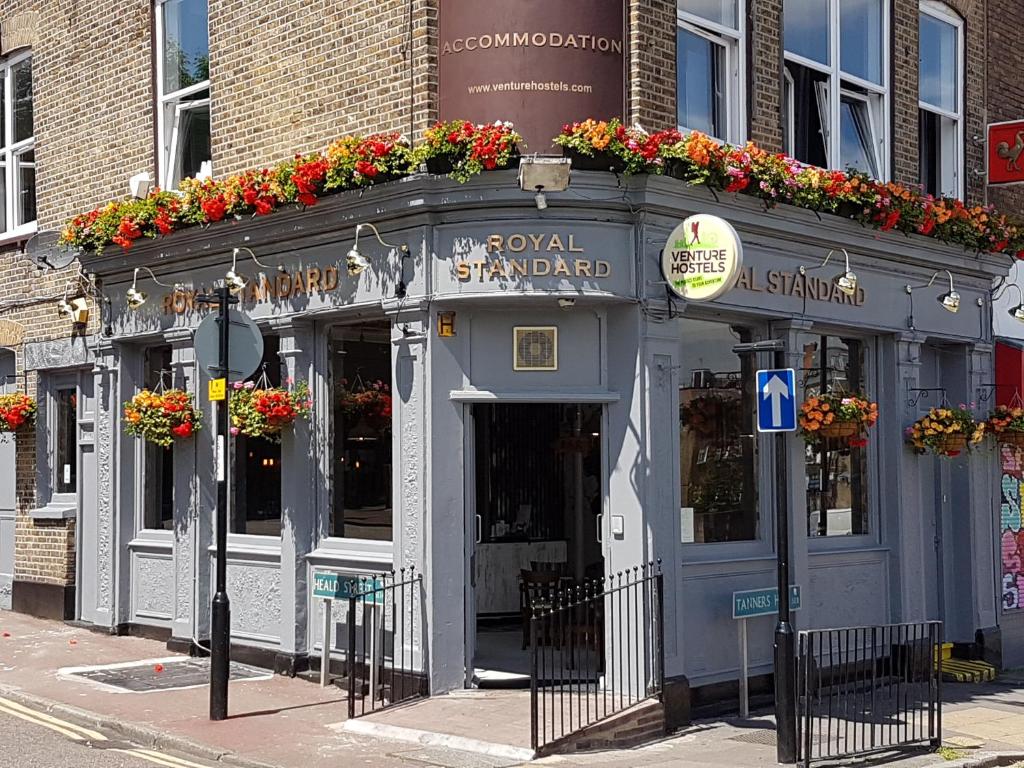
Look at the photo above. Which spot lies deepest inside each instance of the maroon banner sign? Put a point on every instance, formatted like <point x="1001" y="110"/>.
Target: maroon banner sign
<point x="538" y="63"/>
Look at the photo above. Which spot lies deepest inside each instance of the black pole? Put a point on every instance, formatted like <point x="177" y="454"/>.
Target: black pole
<point x="220" y="639"/>
<point x="785" y="649"/>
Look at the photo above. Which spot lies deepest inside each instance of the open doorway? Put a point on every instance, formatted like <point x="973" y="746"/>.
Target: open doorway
<point x="537" y="514"/>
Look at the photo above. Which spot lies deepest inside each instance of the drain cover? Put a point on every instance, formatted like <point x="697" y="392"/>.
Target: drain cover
<point x="759" y="736"/>
<point x="173" y="674"/>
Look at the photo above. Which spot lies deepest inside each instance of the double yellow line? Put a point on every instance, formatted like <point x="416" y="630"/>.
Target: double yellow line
<point x="79" y="733"/>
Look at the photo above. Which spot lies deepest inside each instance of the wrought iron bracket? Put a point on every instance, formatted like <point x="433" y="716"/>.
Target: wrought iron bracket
<point x="923" y="392"/>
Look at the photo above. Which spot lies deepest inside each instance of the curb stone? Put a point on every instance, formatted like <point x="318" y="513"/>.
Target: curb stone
<point x="145" y="736"/>
<point x="988" y="760"/>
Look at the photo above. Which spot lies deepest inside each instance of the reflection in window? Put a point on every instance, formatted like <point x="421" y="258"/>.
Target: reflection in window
<point x="940" y="115"/>
<point x="361" y="506"/>
<point x="708" y="50"/>
<point x="17" y="145"/>
<point x="66" y="459"/>
<point x="158" y="462"/>
<point x="836" y="472"/>
<point x="718" y="446"/>
<point x="256" y="508"/>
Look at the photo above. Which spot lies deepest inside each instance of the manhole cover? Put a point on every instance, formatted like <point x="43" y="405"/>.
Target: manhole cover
<point x="160" y="674"/>
<point x="759" y="736"/>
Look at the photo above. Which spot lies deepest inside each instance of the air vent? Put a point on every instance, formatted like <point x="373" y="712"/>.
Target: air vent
<point x="536" y="348"/>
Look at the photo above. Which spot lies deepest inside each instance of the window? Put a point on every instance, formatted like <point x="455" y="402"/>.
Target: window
<point x="17" y="147"/>
<point x="66" y="456"/>
<point x="157" y="461"/>
<point x="940" y="106"/>
<point x="835" y="92"/>
<point x="183" y="90"/>
<point x="717" y="441"/>
<point x="837" y="488"/>
<point x="708" y="62"/>
<point x="256" y="503"/>
<point x="361" y="506"/>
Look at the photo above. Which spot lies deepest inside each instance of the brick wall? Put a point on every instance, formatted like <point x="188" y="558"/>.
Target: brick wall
<point x="652" y="64"/>
<point x="764" y="82"/>
<point x="1005" y="92"/>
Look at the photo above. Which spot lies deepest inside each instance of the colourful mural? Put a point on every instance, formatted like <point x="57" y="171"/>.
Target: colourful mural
<point x="1012" y="528"/>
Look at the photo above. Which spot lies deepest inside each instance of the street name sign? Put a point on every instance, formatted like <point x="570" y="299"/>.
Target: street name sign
<point x="776" y="400"/>
<point x="762" y="602"/>
<point x="332" y="586"/>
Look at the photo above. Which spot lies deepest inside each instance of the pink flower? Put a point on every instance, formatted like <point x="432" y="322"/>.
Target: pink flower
<point x="249" y="385"/>
<point x="237" y="385"/>
<point x="234" y="431"/>
<point x="289" y="381"/>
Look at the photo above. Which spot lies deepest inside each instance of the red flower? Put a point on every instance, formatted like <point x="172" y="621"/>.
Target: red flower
<point x="163" y="222"/>
<point x="927" y="227"/>
<point x="366" y="169"/>
<point x="858" y="442"/>
<point x="264" y="205"/>
<point x="215" y="208"/>
<point x="891" y="221"/>
<point x="182" y="430"/>
<point x="250" y="195"/>
<point x="738" y="184"/>
<point x="1000" y="246"/>
<point x="306" y="198"/>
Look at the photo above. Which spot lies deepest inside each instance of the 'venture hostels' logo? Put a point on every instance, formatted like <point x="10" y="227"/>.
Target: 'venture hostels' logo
<point x="702" y="258"/>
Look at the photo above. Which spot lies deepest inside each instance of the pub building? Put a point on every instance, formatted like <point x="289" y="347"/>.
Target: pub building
<point x="552" y="403"/>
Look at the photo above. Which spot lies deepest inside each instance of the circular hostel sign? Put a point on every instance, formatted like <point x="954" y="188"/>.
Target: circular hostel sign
<point x="702" y="258"/>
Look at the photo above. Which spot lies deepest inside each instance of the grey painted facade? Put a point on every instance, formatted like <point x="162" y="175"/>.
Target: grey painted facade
<point x="620" y="345"/>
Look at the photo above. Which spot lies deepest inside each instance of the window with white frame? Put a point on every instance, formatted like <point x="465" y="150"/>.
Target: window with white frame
<point x="709" y="52"/>
<point x="17" y="153"/>
<point x="940" y="101"/>
<point x="835" y="89"/>
<point x="183" y="89"/>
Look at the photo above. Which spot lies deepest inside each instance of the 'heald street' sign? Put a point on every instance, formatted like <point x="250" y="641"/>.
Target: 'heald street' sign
<point x="332" y="586"/>
<point x="702" y="258"/>
<point x="762" y="602"/>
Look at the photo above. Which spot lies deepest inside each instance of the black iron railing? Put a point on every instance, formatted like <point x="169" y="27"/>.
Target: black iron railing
<point x="867" y="689"/>
<point x="386" y="652"/>
<point x="596" y="649"/>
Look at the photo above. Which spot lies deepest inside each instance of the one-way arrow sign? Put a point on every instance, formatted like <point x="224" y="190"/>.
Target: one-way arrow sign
<point x="776" y="400"/>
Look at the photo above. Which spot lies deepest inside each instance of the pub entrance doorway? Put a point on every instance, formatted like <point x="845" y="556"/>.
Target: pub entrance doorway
<point x="535" y="505"/>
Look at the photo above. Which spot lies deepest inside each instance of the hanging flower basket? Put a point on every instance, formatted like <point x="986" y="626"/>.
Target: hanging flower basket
<point x="16" y="410"/>
<point x="259" y="410"/>
<point x="161" y="417"/>
<point x="1006" y="422"/>
<point x="371" y="402"/>
<point x="837" y="416"/>
<point x="946" y="431"/>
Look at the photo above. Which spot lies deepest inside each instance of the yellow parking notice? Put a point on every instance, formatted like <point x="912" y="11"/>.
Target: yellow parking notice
<point x="217" y="389"/>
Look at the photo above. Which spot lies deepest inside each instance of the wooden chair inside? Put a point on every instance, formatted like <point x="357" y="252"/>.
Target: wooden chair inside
<point x="536" y="588"/>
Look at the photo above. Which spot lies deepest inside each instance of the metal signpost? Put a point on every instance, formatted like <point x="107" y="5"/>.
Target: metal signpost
<point x="330" y="587"/>
<point x="747" y="605"/>
<point x="235" y="348"/>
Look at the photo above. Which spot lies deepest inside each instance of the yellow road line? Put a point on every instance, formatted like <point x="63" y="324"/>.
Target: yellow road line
<point x="178" y="761"/>
<point x="38" y="721"/>
<point x="159" y="759"/>
<point x="86" y="732"/>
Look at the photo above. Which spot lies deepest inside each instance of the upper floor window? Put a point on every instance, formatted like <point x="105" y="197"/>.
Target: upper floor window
<point x="709" y="50"/>
<point x="835" y="90"/>
<point x="183" y="89"/>
<point x="17" y="147"/>
<point x="941" y="104"/>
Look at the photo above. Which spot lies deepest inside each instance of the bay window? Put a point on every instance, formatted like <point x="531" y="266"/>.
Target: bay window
<point x="836" y="84"/>
<point x="940" y="102"/>
<point x="709" y="51"/>
<point x="183" y="90"/>
<point x="17" y="147"/>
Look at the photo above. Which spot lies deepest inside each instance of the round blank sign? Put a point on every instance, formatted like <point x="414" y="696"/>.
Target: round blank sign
<point x="245" y="346"/>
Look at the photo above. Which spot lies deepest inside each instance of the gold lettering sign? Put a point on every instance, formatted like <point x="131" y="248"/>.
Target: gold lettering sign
<point x="580" y="42"/>
<point x="11" y="333"/>
<point x="283" y="285"/>
<point x="527" y="254"/>
<point x="794" y="284"/>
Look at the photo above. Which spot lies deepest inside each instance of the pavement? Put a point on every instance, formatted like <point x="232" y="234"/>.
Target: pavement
<point x="279" y="722"/>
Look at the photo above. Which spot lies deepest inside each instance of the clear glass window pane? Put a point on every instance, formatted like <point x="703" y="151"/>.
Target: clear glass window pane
<point x="836" y="472"/>
<point x="3" y="110"/>
<point x="22" y="94"/>
<point x="158" y="462"/>
<point x="186" y="45"/>
<point x="256" y="505"/>
<point x="856" y="137"/>
<point x="717" y="441"/>
<point x="939" y="165"/>
<point x="3" y="197"/>
<point x="806" y="29"/>
<point x="25" y="183"/>
<point x="722" y="12"/>
<point x="939" y="79"/>
<point x="66" y="453"/>
<point x="700" y="92"/>
<point x="361" y="505"/>
<point x="860" y="44"/>
<point x="808" y="105"/>
<point x="193" y="140"/>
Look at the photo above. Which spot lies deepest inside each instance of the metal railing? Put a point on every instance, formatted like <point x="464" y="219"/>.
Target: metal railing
<point x="867" y="689"/>
<point x="386" y="652"/>
<point x="596" y="649"/>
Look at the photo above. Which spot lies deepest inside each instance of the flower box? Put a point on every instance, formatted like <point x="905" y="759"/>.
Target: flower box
<point x="599" y="161"/>
<point x="951" y="445"/>
<point x="840" y="429"/>
<point x="439" y="165"/>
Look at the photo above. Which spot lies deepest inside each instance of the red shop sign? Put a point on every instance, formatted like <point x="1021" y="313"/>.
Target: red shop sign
<point x="1006" y="152"/>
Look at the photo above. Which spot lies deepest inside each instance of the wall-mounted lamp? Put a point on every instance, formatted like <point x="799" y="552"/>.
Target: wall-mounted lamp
<point x="136" y="298"/>
<point x="141" y="184"/>
<point x="950" y="300"/>
<point x="356" y="263"/>
<point x="543" y="174"/>
<point x="76" y="310"/>
<point x="845" y="281"/>
<point x="566" y="303"/>
<point x="237" y="282"/>
<point x="1017" y="311"/>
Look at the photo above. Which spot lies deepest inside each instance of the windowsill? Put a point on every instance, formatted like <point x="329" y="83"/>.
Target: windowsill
<point x="18" y="235"/>
<point x="55" y="510"/>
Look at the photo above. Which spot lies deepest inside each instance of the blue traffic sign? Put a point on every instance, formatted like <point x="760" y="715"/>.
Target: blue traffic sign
<point x="776" y="400"/>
